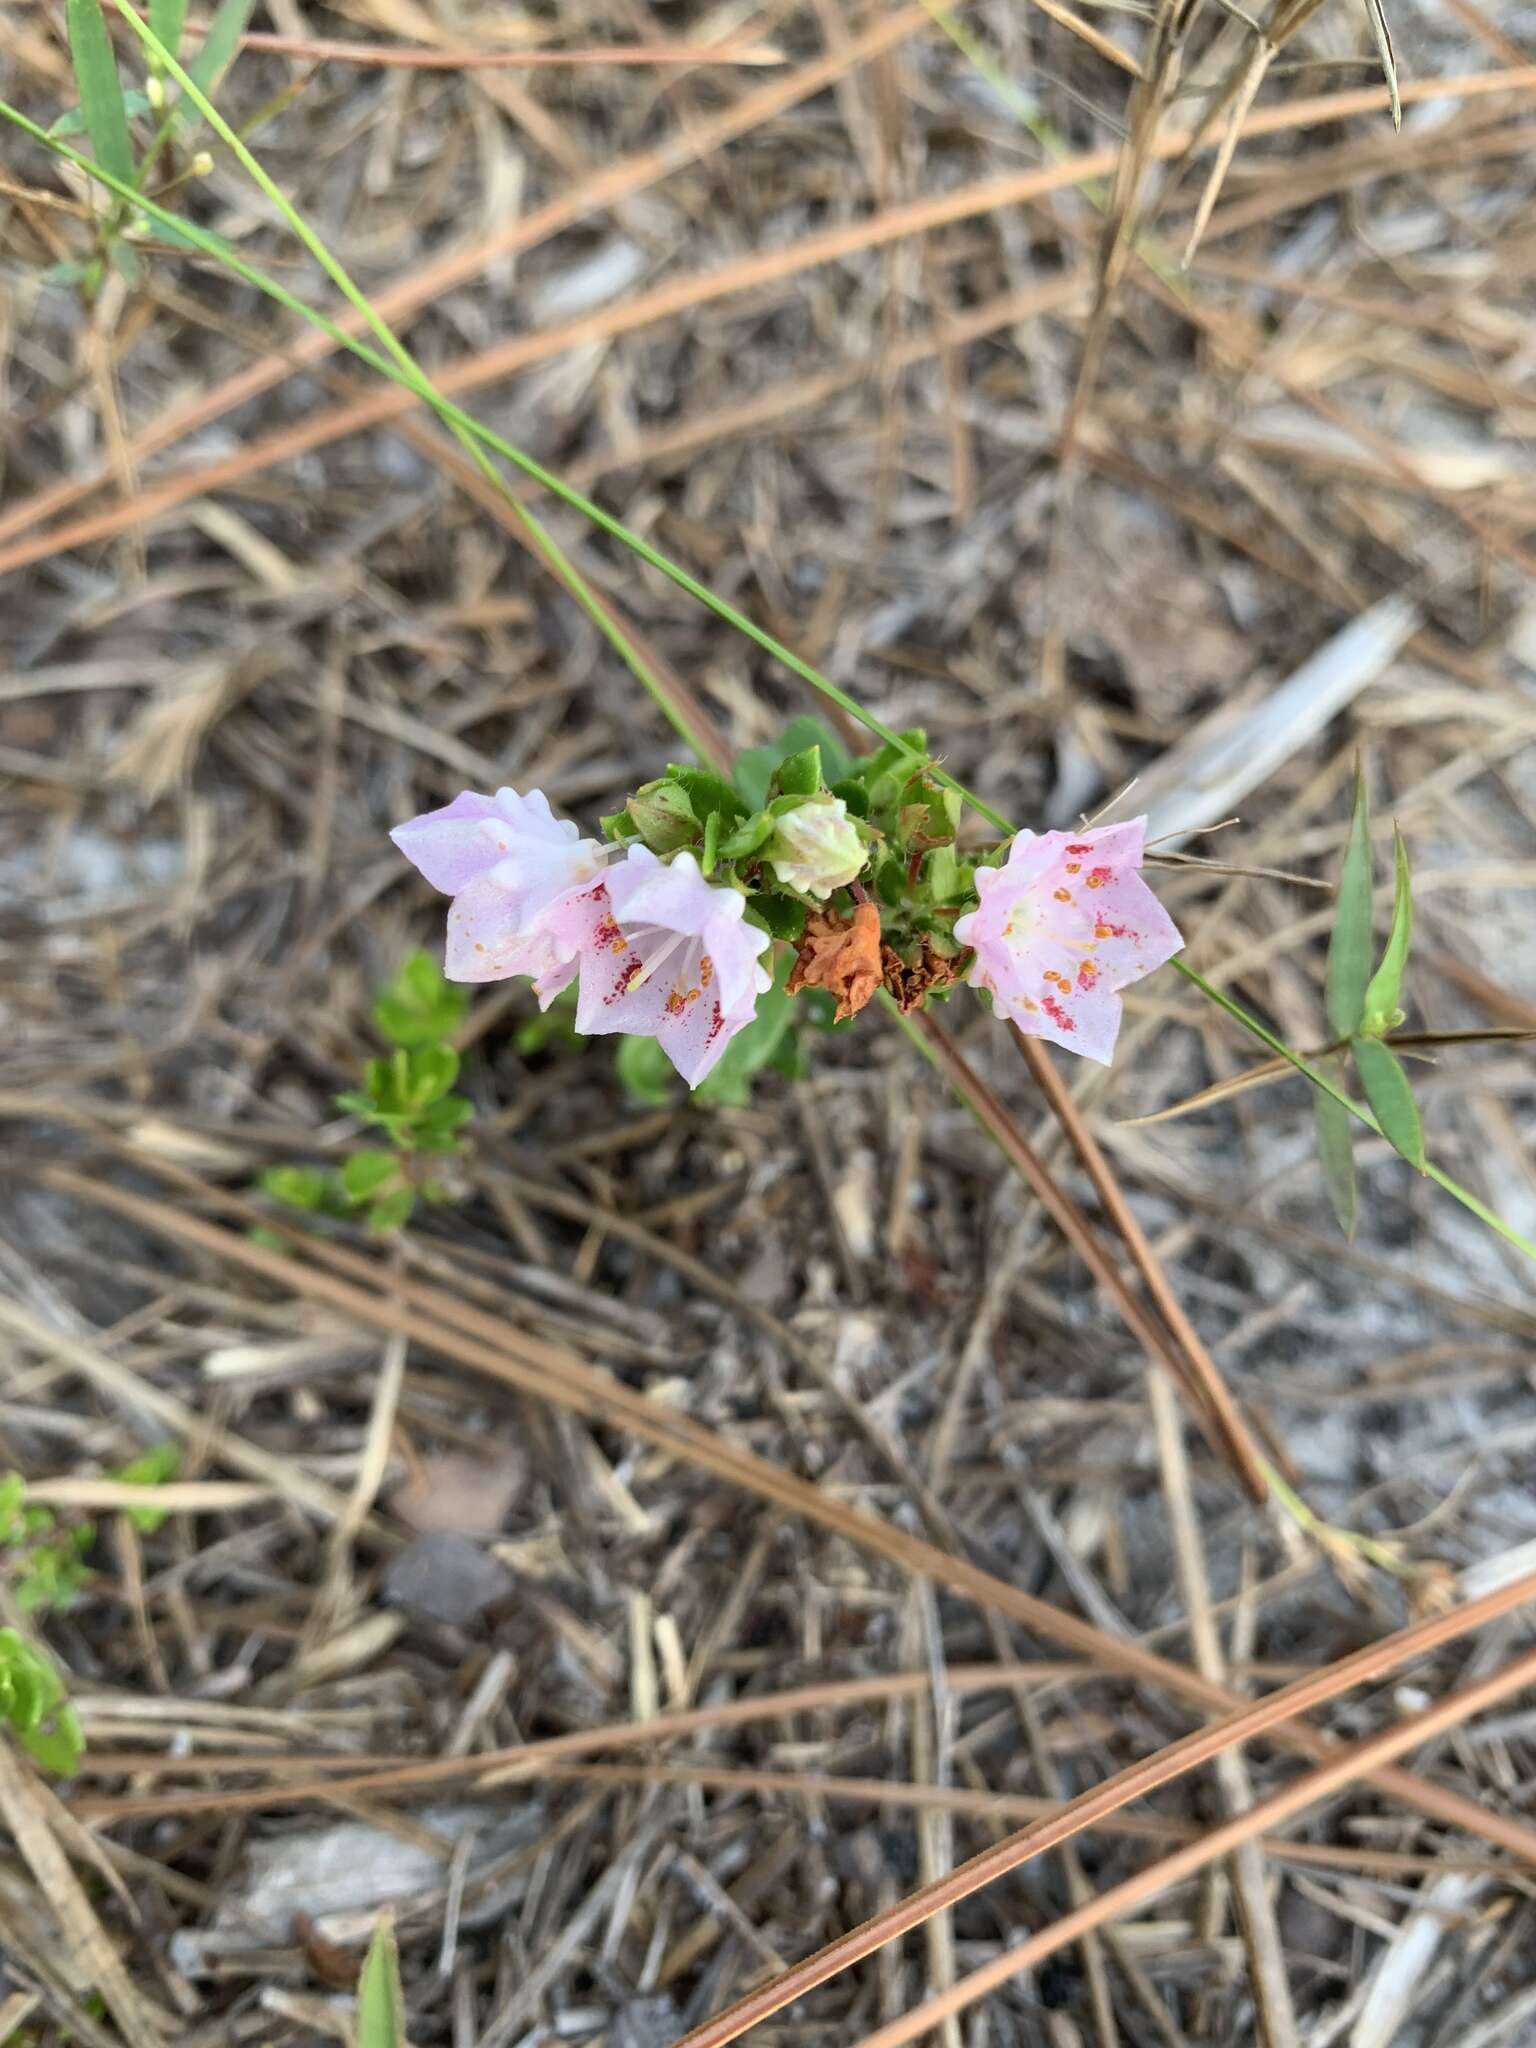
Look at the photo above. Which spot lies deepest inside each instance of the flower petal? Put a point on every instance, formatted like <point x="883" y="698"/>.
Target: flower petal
<point x="453" y="845"/>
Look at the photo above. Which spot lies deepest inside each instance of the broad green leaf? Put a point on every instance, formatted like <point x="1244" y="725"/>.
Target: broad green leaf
<point x="380" y="2000"/>
<point x="707" y="791"/>
<point x="167" y="18"/>
<point x="432" y="1072"/>
<point x="419" y="1006"/>
<point x="1390" y="1096"/>
<point x="1336" y="1154"/>
<point x="101" y="90"/>
<point x="1349" y="950"/>
<point x="1383" y="996"/>
<point x="34" y="1701"/>
<point x="747" y="837"/>
<point x="365" y="1173"/>
<point x="217" y="54"/>
<point x="645" y="1073"/>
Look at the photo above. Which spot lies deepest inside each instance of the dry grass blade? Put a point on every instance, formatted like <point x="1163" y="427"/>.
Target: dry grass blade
<point x="1355" y="1763"/>
<point x="380" y="407"/>
<point x="1376" y="15"/>
<point x="483" y="1344"/>
<point x="319" y="50"/>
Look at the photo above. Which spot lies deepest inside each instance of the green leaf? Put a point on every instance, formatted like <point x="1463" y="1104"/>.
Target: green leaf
<point x="365" y="1173"/>
<point x="135" y="104"/>
<point x="707" y="791"/>
<point x="645" y="1073"/>
<point x="664" y="813"/>
<point x="780" y="916"/>
<point x="298" y="1187"/>
<point x="1336" y="1152"/>
<point x="167" y="18"/>
<point x="13" y="1498"/>
<point x="34" y="1701"/>
<point x="1383" y="997"/>
<point x="1388" y="1092"/>
<point x="217" y="54"/>
<point x="1349" y="949"/>
<point x="800" y="775"/>
<point x="151" y="1468"/>
<point x="747" y="837"/>
<point x="418" y="1007"/>
<point x="391" y="1212"/>
<point x="449" y="1114"/>
<point x="101" y="90"/>
<point x="380" y="2000"/>
<point x="431" y="1072"/>
<point x="711" y="851"/>
<point x="754" y="766"/>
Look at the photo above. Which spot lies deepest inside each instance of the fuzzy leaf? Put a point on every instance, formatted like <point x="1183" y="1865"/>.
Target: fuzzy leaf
<point x="1349" y="950"/>
<point x="101" y="90"/>
<point x="1383" y="996"/>
<point x="1388" y="1092"/>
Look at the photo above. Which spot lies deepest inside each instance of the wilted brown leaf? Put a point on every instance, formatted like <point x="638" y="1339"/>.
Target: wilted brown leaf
<point x="840" y="956"/>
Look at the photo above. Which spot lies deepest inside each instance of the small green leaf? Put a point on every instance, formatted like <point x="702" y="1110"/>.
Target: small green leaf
<point x="800" y="775"/>
<point x="754" y="766"/>
<point x="442" y="1118"/>
<point x="34" y="1701"/>
<point x="1383" y="996"/>
<point x="1349" y="949"/>
<point x="747" y="837"/>
<point x="432" y="1071"/>
<point x="365" y="1173"/>
<point x="1388" y="1092"/>
<point x="135" y="105"/>
<point x="167" y="18"/>
<point x="1336" y="1153"/>
<point x="151" y="1468"/>
<point x="380" y="1999"/>
<point x="711" y="851"/>
<point x="707" y="791"/>
<point x="392" y="1212"/>
<point x="418" y="1007"/>
<point x="299" y="1187"/>
<point x="645" y="1073"/>
<point x="101" y="90"/>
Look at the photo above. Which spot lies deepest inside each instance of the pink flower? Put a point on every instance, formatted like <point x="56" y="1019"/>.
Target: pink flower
<point x="1063" y="926"/>
<point x="505" y="860"/>
<point x="664" y="955"/>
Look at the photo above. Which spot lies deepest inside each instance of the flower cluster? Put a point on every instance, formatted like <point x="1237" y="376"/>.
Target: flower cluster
<point x="667" y="923"/>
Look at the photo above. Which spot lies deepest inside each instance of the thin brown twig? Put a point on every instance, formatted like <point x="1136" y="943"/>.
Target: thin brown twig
<point x="320" y="50"/>
<point x="489" y="1346"/>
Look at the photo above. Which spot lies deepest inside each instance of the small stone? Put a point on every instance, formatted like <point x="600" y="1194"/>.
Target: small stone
<point x="445" y="1577"/>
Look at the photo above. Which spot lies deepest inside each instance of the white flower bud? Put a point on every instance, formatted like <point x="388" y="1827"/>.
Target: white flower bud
<point x="154" y="90"/>
<point x="202" y="164"/>
<point x="816" y="847"/>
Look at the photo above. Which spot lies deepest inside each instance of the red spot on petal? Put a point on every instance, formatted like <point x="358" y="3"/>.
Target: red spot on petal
<point x="1080" y="849"/>
<point x="1057" y="1014"/>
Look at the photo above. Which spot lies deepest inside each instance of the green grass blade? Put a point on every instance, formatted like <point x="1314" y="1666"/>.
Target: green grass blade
<point x="101" y="90"/>
<point x="1383" y="997"/>
<point x="380" y="2000"/>
<point x="1388" y="1092"/>
<point x="168" y="18"/>
<point x="1349" y="949"/>
<point x="1336" y="1153"/>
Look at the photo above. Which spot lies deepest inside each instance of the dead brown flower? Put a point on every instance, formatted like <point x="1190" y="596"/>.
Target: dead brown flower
<point x="840" y="956"/>
<point x="910" y="984"/>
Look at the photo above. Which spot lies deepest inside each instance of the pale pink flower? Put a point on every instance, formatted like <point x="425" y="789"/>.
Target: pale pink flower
<point x="664" y="955"/>
<point x="505" y="860"/>
<point x="1064" y="925"/>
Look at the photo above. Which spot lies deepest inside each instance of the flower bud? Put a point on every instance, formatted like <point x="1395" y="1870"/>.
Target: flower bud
<point x="202" y="164"/>
<point x="816" y="847"/>
<point x="154" y="90"/>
